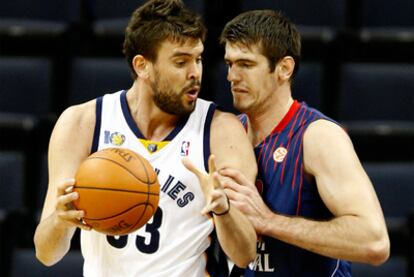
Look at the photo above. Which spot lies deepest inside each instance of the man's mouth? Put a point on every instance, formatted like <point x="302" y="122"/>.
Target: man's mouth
<point x="237" y="89"/>
<point x="192" y="92"/>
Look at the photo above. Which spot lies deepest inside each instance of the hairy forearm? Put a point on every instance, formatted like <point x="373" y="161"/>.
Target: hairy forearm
<point x="51" y="242"/>
<point x="346" y="237"/>
<point x="237" y="237"/>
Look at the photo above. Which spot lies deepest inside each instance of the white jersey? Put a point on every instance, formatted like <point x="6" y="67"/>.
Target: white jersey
<point x="174" y="241"/>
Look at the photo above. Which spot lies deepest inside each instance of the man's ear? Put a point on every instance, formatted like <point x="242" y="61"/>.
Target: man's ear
<point x="140" y="65"/>
<point x="285" y="67"/>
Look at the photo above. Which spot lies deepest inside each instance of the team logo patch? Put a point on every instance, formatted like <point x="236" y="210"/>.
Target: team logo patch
<point x="117" y="139"/>
<point x="280" y="154"/>
<point x="152" y="147"/>
<point x="185" y="148"/>
<point x="114" y="138"/>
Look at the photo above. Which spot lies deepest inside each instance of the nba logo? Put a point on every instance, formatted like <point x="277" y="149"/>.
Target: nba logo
<point x="185" y="147"/>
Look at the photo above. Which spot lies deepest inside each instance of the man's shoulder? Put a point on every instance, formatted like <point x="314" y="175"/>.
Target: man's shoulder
<point x="82" y="113"/>
<point x="226" y="117"/>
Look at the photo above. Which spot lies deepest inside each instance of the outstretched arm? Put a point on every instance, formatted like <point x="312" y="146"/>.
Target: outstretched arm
<point x="356" y="233"/>
<point x="69" y="145"/>
<point x="230" y="148"/>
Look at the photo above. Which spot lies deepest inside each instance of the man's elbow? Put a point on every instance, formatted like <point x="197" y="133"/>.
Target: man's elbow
<point x="45" y="256"/>
<point x="248" y="256"/>
<point x="45" y="259"/>
<point x="379" y="251"/>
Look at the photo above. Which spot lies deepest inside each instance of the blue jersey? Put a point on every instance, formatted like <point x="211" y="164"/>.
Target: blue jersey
<point x="284" y="188"/>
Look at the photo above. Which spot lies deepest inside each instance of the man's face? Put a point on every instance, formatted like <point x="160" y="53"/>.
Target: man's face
<point x="250" y="77"/>
<point x="176" y="76"/>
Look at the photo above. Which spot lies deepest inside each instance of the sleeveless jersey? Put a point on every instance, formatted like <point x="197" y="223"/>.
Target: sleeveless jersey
<point x="174" y="241"/>
<point x="284" y="188"/>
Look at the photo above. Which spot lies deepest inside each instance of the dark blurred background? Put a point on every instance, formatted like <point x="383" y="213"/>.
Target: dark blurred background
<point x="357" y="67"/>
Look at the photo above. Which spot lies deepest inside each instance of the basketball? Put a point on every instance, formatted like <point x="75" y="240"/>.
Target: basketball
<point x="118" y="190"/>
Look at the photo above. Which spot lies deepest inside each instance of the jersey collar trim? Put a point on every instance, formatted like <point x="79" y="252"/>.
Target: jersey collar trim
<point x="286" y="119"/>
<point x="131" y="123"/>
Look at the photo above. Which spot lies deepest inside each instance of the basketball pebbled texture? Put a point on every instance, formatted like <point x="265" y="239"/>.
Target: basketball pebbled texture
<point x="118" y="190"/>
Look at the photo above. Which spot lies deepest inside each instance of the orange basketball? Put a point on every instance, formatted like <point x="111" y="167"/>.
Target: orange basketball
<point x="118" y="190"/>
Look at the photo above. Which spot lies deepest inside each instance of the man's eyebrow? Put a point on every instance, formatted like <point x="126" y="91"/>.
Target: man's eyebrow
<point x="181" y="54"/>
<point x="186" y="54"/>
<point x="239" y="60"/>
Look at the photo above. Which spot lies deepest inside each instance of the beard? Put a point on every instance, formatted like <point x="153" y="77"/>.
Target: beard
<point x="171" y="102"/>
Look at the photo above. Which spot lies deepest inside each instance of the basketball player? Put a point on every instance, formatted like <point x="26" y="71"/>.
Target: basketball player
<point x="313" y="206"/>
<point x="161" y="118"/>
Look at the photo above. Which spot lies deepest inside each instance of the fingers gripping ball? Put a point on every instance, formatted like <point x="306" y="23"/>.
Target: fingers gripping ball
<point x="118" y="190"/>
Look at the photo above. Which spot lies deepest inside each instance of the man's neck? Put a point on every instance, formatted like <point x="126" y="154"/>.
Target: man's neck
<point x="263" y="122"/>
<point x="153" y="123"/>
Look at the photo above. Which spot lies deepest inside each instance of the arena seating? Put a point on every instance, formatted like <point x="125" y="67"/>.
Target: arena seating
<point x="91" y="77"/>
<point x="317" y="20"/>
<point x="357" y="67"/>
<point x="34" y="18"/>
<point x="25" y="264"/>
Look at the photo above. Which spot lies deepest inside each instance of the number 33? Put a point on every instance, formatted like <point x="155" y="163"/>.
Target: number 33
<point x="151" y="228"/>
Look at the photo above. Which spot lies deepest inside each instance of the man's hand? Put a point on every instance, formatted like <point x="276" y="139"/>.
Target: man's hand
<point x="65" y="213"/>
<point x="216" y="198"/>
<point x="244" y="196"/>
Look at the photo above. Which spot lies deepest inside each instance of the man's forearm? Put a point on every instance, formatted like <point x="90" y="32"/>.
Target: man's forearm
<point x="52" y="242"/>
<point x="346" y="237"/>
<point x="237" y="236"/>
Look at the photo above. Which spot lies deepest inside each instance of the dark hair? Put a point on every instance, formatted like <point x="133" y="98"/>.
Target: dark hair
<point x="276" y="36"/>
<point x="156" y="21"/>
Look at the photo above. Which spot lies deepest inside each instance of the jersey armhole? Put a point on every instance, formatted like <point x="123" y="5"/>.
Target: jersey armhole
<point x="98" y="113"/>
<point x="206" y="139"/>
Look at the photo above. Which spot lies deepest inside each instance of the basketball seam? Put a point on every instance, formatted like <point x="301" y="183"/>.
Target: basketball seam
<point x="121" y="190"/>
<point x="121" y="165"/>
<point x="124" y="211"/>
<point x="147" y="202"/>
<point x="146" y="206"/>
<point x="143" y="165"/>
<point x="142" y="215"/>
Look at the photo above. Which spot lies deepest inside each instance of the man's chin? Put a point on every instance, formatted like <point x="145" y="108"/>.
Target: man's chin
<point x="238" y="106"/>
<point x="189" y="107"/>
<point x="184" y="110"/>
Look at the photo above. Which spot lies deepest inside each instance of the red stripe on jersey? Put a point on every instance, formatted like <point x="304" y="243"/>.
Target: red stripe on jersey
<point x="282" y="124"/>
<point x="288" y="143"/>
<point x="300" y="188"/>
<point x="302" y="119"/>
<point x="273" y="149"/>
<point x="301" y="166"/>
<point x="279" y="127"/>
<point x="286" y="119"/>
<point x="261" y="149"/>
